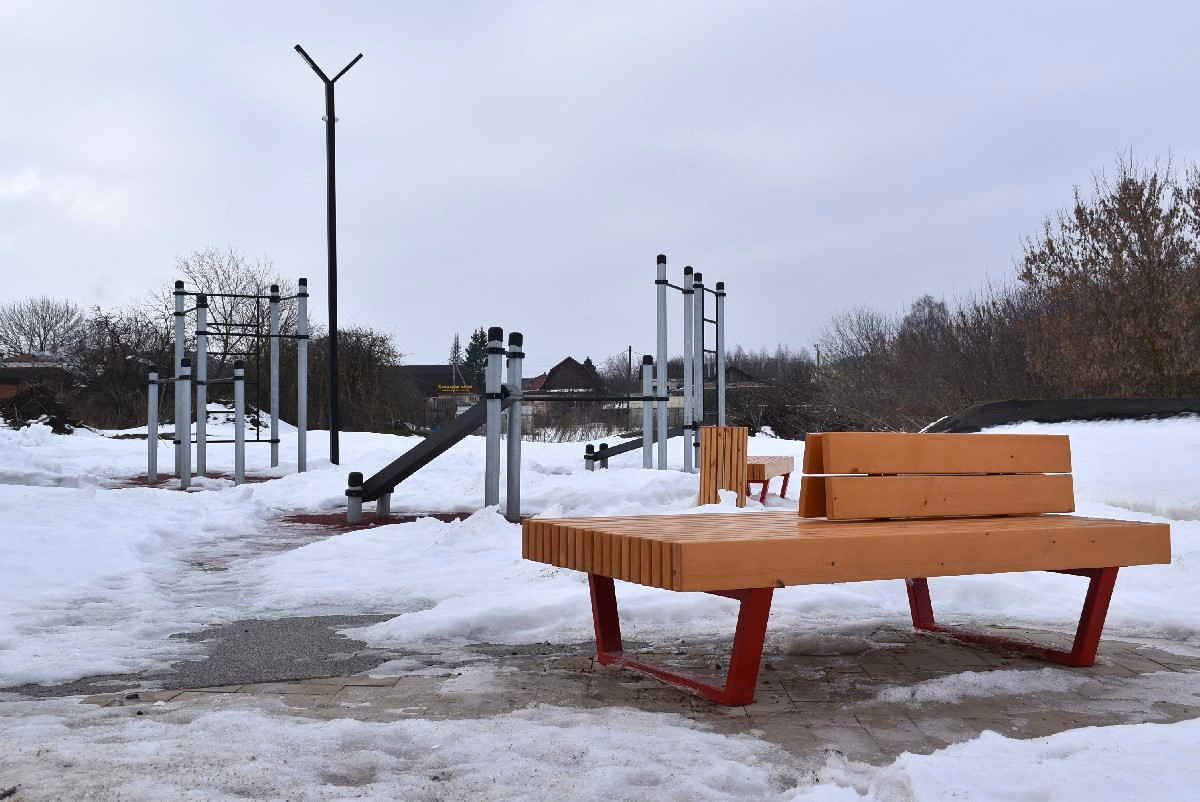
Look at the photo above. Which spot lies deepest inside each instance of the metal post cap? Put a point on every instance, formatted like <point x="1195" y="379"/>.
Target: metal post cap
<point x="239" y="364"/>
<point x="153" y="369"/>
<point x="185" y="363"/>
<point x="647" y="359"/>
<point x="662" y="258"/>
<point x="687" y="271"/>
<point x="516" y="338"/>
<point x="495" y="333"/>
<point x="356" y="479"/>
<point x="179" y="285"/>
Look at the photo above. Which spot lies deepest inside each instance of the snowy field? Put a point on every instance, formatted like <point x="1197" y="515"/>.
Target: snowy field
<point x="95" y="577"/>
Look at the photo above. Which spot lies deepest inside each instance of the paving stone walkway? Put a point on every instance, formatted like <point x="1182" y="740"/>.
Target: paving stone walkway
<point x="888" y="692"/>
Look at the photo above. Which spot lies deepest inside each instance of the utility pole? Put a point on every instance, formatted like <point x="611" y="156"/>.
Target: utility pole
<point x="331" y="235"/>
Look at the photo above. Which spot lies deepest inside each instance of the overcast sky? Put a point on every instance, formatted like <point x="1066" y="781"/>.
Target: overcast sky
<point x="521" y="164"/>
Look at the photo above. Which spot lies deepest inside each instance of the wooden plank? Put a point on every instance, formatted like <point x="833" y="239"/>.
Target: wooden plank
<point x="814" y="461"/>
<point x="779" y="562"/>
<point x="900" y="453"/>
<point x="812" y="496"/>
<point x="729" y="551"/>
<point x="849" y="497"/>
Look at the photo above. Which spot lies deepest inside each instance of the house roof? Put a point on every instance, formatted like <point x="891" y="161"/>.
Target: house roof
<point x="430" y="379"/>
<point x="569" y="375"/>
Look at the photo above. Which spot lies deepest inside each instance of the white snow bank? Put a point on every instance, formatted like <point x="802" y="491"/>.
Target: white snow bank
<point x="1138" y="761"/>
<point x="543" y="752"/>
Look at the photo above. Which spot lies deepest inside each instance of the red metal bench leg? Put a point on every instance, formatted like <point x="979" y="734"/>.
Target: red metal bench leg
<point x="744" y="662"/>
<point x="783" y="490"/>
<point x="1087" y="635"/>
<point x="762" y="498"/>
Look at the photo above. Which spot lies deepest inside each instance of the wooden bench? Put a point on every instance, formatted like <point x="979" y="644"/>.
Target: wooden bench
<point x="761" y="470"/>
<point x="1007" y="483"/>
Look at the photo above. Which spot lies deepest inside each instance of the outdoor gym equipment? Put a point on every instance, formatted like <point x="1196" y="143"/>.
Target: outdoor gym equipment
<point x="186" y="381"/>
<point x="654" y="377"/>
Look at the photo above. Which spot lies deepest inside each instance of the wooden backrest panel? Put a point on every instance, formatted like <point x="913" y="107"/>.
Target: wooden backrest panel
<point x="901" y="453"/>
<point x="863" y="475"/>
<point x="851" y="497"/>
<point x="723" y="462"/>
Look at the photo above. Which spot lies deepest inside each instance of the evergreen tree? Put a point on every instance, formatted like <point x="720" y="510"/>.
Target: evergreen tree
<point x="475" y="358"/>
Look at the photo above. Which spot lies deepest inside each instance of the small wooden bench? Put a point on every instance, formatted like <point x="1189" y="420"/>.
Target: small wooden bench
<point x="761" y="470"/>
<point x="878" y="506"/>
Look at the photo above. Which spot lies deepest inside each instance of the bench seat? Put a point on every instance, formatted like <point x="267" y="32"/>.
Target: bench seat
<point x="724" y="551"/>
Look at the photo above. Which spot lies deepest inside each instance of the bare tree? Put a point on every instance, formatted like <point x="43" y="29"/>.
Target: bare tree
<point x="39" y="325"/>
<point x="1115" y="280"/>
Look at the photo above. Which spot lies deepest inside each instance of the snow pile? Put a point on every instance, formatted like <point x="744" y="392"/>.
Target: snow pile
<point x="545" y="752"/>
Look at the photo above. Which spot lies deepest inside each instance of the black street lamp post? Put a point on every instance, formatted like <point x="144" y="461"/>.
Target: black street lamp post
<point x="331" y="228"/>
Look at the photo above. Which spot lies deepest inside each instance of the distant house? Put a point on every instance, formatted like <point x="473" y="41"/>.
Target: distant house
<point x="568" y="375"/>
<point x="15" y="380"/>
<point x="435" y="381"/>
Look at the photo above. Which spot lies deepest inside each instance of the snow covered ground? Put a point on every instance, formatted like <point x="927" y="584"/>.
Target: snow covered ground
<point x="95" y="576"/>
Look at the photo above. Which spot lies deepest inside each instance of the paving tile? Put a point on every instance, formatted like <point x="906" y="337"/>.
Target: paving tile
<point x="147" y="697"/>
<point x="299" y="700"/>
<point x="825" y="714"/>
<point x="221" y="689"/>
<point x="276" y="688"/>
<point x="198" y="695"/>
<point x="1137" y="664"/>
<point x="770" y="703"/>
<point x="363" y="680"/>
<point x="923" y="661"/>
<point x="895" y="733"/>
<point x="100" y="701"/>
<point x="853" y="742"/>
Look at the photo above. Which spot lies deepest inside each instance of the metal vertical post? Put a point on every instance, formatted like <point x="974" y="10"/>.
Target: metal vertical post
<point x="689" y="368"/>
<point x="604" y="459"/>
<point x="152" y="427"/>
<point x="354" y="496"/>
<point x="491" y="474"/>
<point x="183" y="387"/>
<point x="274" y="332"/>
<point x="589" y="461"/>
<point x="660" y="372"/>
<point x="383" y="505"/>
<point x="239" y="422"/>
<point x="720" y="324"/>
<point x="647" y="412"/>
<point x="331" y="241"/>
<point x="698" y="357"/>
<point x="515" y="358"/>
<point x="202" y="385"/>
<point x="302" y="377"/>
<point x="180" y="335"/>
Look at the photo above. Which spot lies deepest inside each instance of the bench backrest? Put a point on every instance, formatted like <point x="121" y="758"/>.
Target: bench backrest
<point x="862" y="475"/>
<point x="723" y="462"/>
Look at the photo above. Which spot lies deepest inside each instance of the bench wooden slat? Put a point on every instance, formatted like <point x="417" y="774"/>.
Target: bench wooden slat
<point x="850" y="497"/>
<point x="723" y="551"/>
<point x="902" y="453"/>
